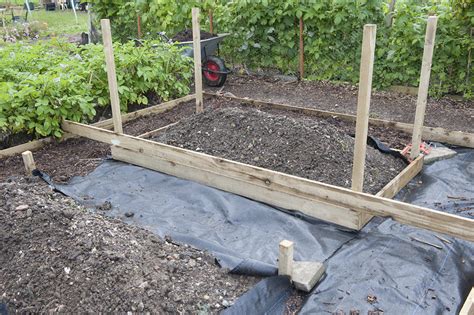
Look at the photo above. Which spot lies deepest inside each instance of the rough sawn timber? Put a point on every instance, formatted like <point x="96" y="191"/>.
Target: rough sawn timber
<point x="460" y="138"/>
<point x="396" y="184"/>
<point x="268" y="186"/>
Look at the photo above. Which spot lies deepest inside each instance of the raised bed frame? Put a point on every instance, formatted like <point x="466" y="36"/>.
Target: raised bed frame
<point x="346" y="207"/>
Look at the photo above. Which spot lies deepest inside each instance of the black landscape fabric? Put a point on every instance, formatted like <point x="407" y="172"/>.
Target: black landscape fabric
<point x="386" y="266"/>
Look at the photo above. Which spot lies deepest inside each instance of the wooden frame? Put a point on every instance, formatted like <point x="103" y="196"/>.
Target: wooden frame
<point x="349" y="208"/>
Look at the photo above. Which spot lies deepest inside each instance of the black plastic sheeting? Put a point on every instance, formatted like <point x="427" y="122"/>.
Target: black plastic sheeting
<point x="383" y="260"/>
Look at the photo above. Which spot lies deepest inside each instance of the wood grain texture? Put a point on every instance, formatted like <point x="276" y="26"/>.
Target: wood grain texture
<point x="111" y="75"/>
<point x="197" y="61"/>
<point x="424" y="85"/>
<point x="363" y="106"/>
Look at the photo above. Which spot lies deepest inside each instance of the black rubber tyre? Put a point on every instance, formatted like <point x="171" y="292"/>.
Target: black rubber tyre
<point x="211" y="78"/>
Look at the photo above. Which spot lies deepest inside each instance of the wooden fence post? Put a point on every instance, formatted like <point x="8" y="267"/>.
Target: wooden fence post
<point x="211" y="22"/>
<point x="111" y="75"/>
<point x="197" y="60"/>
<point x="423" y="87"/>
<point x="301" y="49"/>
<point x="363" y="105"/>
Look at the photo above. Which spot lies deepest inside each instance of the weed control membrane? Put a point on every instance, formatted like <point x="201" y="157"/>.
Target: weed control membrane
<point x="382" y="267"/>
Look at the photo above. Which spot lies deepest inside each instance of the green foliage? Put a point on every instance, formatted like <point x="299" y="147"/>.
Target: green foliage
<point x="265" y="34"/>
<point x="42" y="84"/>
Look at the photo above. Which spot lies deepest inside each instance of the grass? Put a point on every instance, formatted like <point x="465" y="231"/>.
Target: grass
<point x="61" y="22"/>
<point x="53" y="23"/>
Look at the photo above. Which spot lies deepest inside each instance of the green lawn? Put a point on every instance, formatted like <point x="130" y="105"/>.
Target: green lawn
<point x="61" y="22"/>
<point x="52" y="23"/>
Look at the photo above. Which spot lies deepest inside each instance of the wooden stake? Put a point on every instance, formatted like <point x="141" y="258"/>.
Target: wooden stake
<point x="29" y="162"/>
<point x="363" y="105"/>
<point x="424" y="84"/>
<point x="111" y="76"/>
<point x="211" y="22"/>
<point x="301" y="49"/>
<point x="285" y="258"/>
<point x="139" y="26"/>
<point x="197" y="60"/>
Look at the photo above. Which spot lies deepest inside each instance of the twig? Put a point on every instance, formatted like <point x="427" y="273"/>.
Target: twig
<point x="427" y="243"/>
<point x="457" y="197"/>
<point x="442" y="239"/>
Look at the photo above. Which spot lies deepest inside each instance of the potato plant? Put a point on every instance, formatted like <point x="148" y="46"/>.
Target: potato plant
<point x="45" y="82"/>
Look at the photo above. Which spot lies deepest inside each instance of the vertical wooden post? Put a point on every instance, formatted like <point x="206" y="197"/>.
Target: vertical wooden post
<point x="139" y="26"/>
<point x="111" y="76"/>
<point x="197" y="60"/>
<point x="211" y="22"/>
<point x="301" y="49"/>
<point x="285" y="258"/>
<point x="29" y="162"/>
<point x="363" y="105"/>
<point x="423" y="87"/>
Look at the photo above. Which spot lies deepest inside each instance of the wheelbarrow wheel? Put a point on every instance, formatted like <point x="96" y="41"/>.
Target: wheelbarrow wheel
<point x="211" y="78"/>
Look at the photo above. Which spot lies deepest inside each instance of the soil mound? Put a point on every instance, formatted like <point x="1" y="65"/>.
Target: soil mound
<point x="309" y="148"/>
<point x="57" y="257"/>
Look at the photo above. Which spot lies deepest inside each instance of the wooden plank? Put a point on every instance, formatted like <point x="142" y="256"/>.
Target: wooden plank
<point x="32" y="145"/>
<point x="111" y="75"/>
<point x="156" y="131"/>
<point x="468" y="306"/>
<point x="304" y="204"/>
<point x="402" y="179"/>
<point x="460" y="138"/>
<point x="285" y="258"/>
<point x="424" y="85"/>
<point x="152" y="110"/>
<point x="363" y="105"/>
<point x="395" y="185"/>
<point x="197" y="60"/>
<point x="29" y="162"/>
<point x="252" y="181"/>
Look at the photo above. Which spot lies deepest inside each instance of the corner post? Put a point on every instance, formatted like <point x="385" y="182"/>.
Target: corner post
<point x="197" y="60"/>
<point x="363" y="105"/>
<point x="424" y="85"/>
<point x="111" y="75"/>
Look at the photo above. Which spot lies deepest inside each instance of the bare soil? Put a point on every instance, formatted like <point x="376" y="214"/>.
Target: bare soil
<point x="446" y="112"/>
<point x="60" y="258"/>
<point x="311" y="148"/>
<point x="80" y="156"/>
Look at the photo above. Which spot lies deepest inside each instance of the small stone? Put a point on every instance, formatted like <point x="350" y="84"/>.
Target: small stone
<point x="225" y="303"/>
<point x="206" y="297"/>
<point x="22" y="207"/>
<point x="29" y="212"/>
<point x="129" y="214"/>
<point x="192" y="263"/>
<point x="67" y="270"/>
<point x="141" y="306"/>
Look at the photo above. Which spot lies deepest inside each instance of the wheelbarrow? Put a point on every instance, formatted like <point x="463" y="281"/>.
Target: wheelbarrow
<point x="214" y="70"/>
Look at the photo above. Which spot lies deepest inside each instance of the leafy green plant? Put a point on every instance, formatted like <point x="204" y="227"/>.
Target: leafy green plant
<point x="43" y="83"/>
<point x="265" y="35"/>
